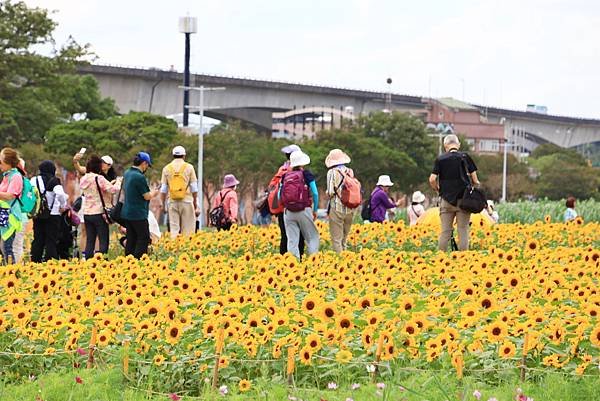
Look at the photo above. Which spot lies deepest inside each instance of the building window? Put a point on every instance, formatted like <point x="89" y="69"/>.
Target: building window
<point x="489" y="145"/>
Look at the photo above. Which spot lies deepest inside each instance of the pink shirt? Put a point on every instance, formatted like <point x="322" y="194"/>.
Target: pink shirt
<point x="230" y="202"/>
<point x="414" y="212"/>
<point x="14" y="185"/>
<point x="93" y="203"/>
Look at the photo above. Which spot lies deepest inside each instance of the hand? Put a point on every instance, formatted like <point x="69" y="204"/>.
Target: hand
<point x="197" y="211"/>
<point x="314" y="216"/>
<point x="77" y="157"/>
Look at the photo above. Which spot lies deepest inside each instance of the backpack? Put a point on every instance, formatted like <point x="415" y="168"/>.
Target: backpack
<point x="177" y="185"/>
<point x="294" y="191"/>
<point x="275" y="204"/>
<point x="365" y="213"/>
<point x="217" y="216"/>
<point x="42" y="210"/>
<point x="29" y="199"/>
<point x="350" y="196"/>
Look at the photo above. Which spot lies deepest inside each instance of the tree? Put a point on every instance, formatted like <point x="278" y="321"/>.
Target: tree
<point x="406" y="134"/>
<point x="559" y="179"/>
<point x="121" y="137"/>
<point x="37" y="91"/>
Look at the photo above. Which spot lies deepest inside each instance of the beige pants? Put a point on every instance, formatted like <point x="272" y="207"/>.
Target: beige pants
<point x="339" y="228"/>
<point x="447" y="214"/>
<point x="182" y="218"/>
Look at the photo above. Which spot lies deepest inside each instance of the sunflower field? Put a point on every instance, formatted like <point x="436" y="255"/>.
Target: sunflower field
<point x="225" y="308"/>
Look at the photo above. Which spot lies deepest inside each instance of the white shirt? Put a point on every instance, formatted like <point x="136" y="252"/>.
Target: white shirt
<point x="414" y="212"/>
<point x="57" y="198"/>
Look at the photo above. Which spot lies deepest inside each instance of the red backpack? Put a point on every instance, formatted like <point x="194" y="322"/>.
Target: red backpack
<point x="294" y="191"/>
<point x="275" y="204"/>
<point x="350" y="190"/>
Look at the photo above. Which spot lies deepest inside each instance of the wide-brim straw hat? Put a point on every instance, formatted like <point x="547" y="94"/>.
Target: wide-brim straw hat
<point x="336" y="157"/>
<point x="384" y="181"/>
<point x="230" y="181"/>
<point x="418" y="197"/>
<point x="289" y="149"/>
<point x="298" y="158"/>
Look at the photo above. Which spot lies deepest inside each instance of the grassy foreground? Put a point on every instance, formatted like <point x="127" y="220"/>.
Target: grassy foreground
<point x="109" y="384"/>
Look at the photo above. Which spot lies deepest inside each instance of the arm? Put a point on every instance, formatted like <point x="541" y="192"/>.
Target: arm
<point x="61" y="196"/>
<point x="78" y="167"/>
<point x="149" y="195"/>
<point x="106" y="186"/>
<point x="194" y="191"/>
<point x="315" y="195"/>
<point x="331" y="184"/>
<point x="164" y="188"/>
<point x="474" y="179"/>
<point x="15" y="188"/>
<point x="233" y="206"/>
<point x="387" y="202"/>
<point x="433" y="182"/>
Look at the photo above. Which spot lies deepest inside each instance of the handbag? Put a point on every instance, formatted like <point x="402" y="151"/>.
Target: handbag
<point x="473" y="199"/>
<point x="111" y="214"/>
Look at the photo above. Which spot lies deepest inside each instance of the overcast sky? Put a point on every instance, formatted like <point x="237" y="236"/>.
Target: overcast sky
<point x="503" y="53"/>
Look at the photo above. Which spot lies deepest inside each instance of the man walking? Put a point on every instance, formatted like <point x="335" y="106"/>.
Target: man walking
<point x="449" y="179"/>
<point x="135" y="206"/>
<point x="180" y="183"/>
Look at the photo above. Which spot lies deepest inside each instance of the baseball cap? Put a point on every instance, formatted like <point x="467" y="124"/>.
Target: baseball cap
<point x="178" y="151"/>
<point x="144" y="157"/>
<point x="107" y="159"/>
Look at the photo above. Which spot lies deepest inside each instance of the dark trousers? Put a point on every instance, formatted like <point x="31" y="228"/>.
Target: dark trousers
<point x="284" y="240"/>
<point x="138" y="238"/>
<point x="8" y="253"/>
<point x="45" y="239"/>
<point x="95" y="227"/>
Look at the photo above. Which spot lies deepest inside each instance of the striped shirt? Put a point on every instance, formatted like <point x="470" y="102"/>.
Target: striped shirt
<point x="334" y="180"/>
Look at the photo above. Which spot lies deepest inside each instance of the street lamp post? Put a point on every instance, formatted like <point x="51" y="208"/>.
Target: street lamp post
<point x="200" y="109"/>
<point x="187" y="25"/>
<point x="388" y="96"/>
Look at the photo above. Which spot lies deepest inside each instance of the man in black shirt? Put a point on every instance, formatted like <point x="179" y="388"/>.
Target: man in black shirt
<point x="449" y="179"/>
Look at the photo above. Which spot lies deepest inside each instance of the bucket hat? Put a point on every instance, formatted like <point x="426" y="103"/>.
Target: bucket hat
<point x="336" y="157"/>
<point x="289" y="149"/>
<point x="299" y="158"/>
<point x="418" y="197"/>
<point x="230" y="181"/>
<point x="384" y="181"/>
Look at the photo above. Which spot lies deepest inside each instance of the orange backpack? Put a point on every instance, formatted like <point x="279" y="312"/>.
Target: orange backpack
<point x="275" y="204"/>
<point x="350" y="195"/>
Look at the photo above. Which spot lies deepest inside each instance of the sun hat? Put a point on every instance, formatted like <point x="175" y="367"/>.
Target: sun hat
<point x="107" y="159"/>
<point x="289" y="149"/>
<point x="178" y="151"/>
<point x="336" y="157"/>
<point x="418" y="197"/>
<point x="230" y="181"/>
<point x="143" y="156"/>
<point x="384" y="181"/>
<point x="299" y="158"/>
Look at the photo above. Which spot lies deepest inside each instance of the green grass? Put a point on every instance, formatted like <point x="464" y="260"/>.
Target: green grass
<point x="109" y="384"/>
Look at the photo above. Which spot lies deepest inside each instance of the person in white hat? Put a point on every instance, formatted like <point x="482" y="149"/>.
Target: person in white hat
<point x="275" y="206"/>
<point x="180" y="183"/>
<point x="298" y="192"/>
<point x="340" y="215"/>
<point x="490" y="212"/>
<point x="416" y="209"/>
<point x="380" y="200"/>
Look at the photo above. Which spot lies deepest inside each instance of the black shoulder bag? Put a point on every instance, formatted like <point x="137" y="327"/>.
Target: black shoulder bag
<point x="111" y="214"/>
<point x="473" y="199"/>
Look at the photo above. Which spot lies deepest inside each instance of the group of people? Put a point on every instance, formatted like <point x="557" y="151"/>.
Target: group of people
<point x="292" y="199"/>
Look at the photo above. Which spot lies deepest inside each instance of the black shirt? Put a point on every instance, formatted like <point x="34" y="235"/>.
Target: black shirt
<point x="451" y="172"/>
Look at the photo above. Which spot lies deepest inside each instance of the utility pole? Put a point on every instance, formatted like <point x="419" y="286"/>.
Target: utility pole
<point x="200" y="109"/>
<point x="187" y="26"/>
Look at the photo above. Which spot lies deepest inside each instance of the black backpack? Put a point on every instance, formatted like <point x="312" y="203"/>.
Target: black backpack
<point x="365" y="213"/>
<point x="217" y="214"/>
<point x="44" y="210"/>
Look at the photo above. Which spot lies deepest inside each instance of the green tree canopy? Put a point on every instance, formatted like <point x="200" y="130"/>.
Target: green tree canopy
<point x="121" y="137"/>
<point x="37" y="91"/>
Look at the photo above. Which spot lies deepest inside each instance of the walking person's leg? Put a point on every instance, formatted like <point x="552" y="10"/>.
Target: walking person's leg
<point x="174" y="219"/>
<point x="52" y="228"/>
<point x="336" y="230"/>
<point x="308" y="228"/>
<point x="143" y="238"/>
<point x="348" y="218"/>
<point x="131" y="237"/>
<point x="188" y="218"/>
<point x="283" y="241"/>
<point x="90" y="235"/>
<point x="103" y="236"/>
<point x="18" y="244"/>
<point x="462" y="221"/>
<point x="292" y="230"/>
<point x="9" y="256"/>
<point x="447" y="214"/>
<point x="37" y="245"/>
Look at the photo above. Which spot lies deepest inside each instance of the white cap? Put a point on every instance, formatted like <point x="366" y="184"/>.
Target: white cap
<point x="107" y="159"/>
<point x="384" y="181"/>
<point x="290" y="149"/>
<point x="178" y="151"/>
<point x="299" y="158"/>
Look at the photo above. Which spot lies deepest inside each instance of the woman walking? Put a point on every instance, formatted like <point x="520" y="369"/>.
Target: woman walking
<point x="97" y="191"/>
<point x="47" y="226"/>
<point x="11" y="188"/>
<point x="227" y="199"/>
